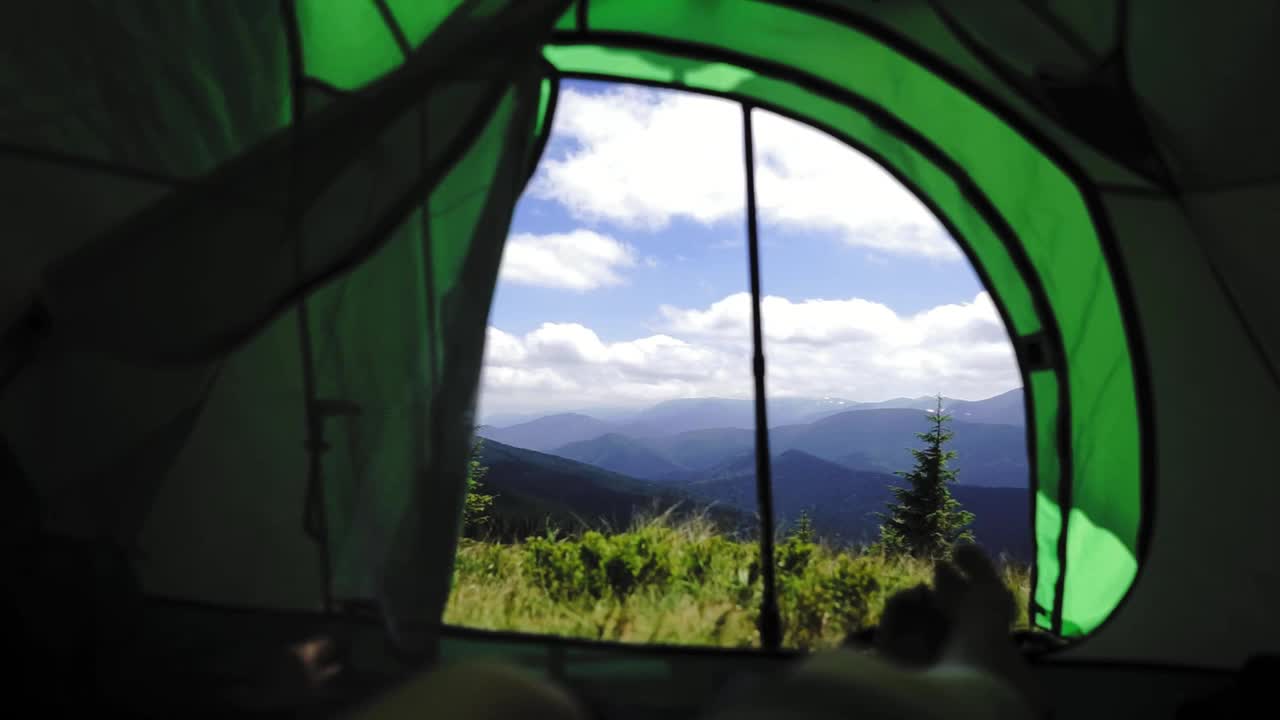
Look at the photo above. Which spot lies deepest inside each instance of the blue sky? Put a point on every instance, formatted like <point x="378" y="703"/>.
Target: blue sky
<point x="623" y="279"/>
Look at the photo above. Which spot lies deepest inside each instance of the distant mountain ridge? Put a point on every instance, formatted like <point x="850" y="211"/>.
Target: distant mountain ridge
<point x="551" y="431"/>
<point x="532" y="487"/>
<point x="843" y="503"/>
<point x="685" y="415"/>
<point x="868" y="437"/>
<point x="619" y="454"/>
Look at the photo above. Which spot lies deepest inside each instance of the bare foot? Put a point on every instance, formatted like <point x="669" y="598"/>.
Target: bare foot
<point x="980" y="610"/>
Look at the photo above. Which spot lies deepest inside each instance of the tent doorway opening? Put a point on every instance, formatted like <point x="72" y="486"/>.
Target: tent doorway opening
<point x="618" y="482"/>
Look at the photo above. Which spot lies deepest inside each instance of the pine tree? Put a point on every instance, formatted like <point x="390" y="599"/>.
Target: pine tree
<point x="925" y="520"/>
<point x="475" y="510"/>
<point x="803" y="530"/>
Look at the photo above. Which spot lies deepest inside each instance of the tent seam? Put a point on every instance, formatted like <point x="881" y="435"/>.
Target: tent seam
<point x="1060" y="28"/>
<point x="315" y="521"/>
<point x="1012" y="79"/>
<point x="81" y="162"/>
<point x="944" y="70"/>
<point x="393" y="27"/>
<point x="1178" y="194"/>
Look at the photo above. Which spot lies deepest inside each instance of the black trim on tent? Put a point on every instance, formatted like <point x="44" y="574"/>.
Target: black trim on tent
<point x="934" y="63"/>
<point x="770" y="621"/>
<point x="931" y="61"/>
<point x="1143" y="395"/>
<point x="1065" y="494"/>
<point x="1025" y="363"/>
<point x="908" y="48"/>
<point x="580" y="17"/>
<point x="329" y="89"/>
<point x="314" y="518"/>
<point x="553" y="104"/>
<point x="393" y="26"/>
<point x="1035" y="349"/>
<point x="890" y="122"/>
<point x="1107" y="240"/>
<point x="1128" y="145"/>
<point x="1065" y="32"/>
<point x="1069" y="166"/>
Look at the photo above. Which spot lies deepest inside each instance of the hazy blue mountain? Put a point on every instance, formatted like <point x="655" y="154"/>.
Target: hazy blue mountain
<point x="677" y="416"/>
<point x="686" y="415"/>
<point x="546" y="433"/>
<point x="621" y="454"/>
<point x="843" y="502"/>
<point x="702" y="449"/>
<point x="532" y="487"/>
<point x="500" y="420"/>
<point x="791" y="411"/>
<point x="877" y="440"/>
<point x="988" y="454"/>
<point x="1003" y="409"/>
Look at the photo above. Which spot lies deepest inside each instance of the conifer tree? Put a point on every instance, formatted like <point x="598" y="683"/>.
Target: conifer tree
<point x="925" y="520"/>
<point x="478" y="504"/>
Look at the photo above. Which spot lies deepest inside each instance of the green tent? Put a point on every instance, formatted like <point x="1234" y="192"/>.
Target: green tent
<point x="250" y="249"/>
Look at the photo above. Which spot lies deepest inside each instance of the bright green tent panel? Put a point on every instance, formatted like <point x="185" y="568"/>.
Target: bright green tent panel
<point x="1035" y="243"/>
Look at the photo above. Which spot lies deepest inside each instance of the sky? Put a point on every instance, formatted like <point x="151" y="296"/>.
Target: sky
<point x="624" y="280"/>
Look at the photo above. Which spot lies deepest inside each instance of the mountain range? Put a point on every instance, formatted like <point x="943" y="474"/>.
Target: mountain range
<point x="683" y="415"/>
<point x="843" y="503"/>
<point x="532" y="487"/>
<point x="671" y="440"/>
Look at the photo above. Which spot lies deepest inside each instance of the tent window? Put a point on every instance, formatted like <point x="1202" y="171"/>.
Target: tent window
<point x="619" y="383"/>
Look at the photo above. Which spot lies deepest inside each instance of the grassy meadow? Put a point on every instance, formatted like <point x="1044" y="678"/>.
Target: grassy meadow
<point x="680" y="581"/>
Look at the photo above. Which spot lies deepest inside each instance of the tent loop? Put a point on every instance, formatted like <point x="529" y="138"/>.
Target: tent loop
<point x="1035" y="351"/>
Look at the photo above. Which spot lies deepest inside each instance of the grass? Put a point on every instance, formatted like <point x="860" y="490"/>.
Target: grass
<point x="679" y="582"/>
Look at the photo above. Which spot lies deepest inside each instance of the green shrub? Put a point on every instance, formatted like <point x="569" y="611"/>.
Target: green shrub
<point x="679" y="582"/>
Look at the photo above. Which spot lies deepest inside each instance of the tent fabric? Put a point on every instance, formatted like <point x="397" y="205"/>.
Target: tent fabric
<point x="163" y="309"/>
<point x="256" y="244"/>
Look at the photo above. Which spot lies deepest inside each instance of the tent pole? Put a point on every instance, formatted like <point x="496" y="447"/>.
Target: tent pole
<point x="770" y="622"/>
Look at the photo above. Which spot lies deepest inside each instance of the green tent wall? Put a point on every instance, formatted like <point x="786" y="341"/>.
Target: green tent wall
<point x="250" y="249"/>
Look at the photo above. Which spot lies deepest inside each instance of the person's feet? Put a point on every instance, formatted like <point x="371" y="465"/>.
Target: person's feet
<point x="964" y="619"/>
<point x="980" y="610"/>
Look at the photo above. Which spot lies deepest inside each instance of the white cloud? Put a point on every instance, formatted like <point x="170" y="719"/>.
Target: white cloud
<point x="580" y="260"/>
<point x="503" y="349"/>
<point x="641" y="158"/>
<point x="851" y="348"/>
<point x="565" y="344"/>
